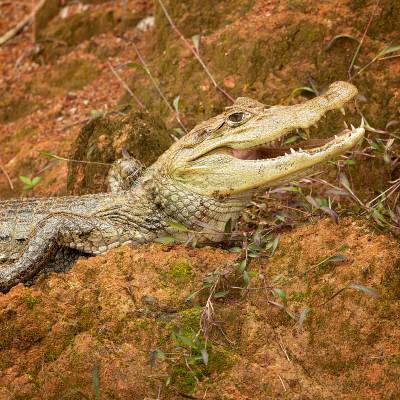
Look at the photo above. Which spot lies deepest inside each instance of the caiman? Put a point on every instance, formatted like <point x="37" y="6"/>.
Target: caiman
<point x="202" y="181"/>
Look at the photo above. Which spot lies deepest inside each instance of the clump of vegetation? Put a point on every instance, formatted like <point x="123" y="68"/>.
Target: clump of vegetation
<point x="31" y="301"/>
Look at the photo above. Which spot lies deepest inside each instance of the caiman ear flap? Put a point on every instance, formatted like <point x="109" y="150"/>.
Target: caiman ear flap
<point x="205" y="128"/>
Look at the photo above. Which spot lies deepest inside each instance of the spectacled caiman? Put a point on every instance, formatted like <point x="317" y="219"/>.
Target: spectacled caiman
<point x="204" y="179"/>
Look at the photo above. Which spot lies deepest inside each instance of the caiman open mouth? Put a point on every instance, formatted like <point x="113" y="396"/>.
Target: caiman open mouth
<point x="277" y="148"/>
<point x="269" y="151"/>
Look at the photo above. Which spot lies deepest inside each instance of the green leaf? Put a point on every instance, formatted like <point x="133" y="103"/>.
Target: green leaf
<point x="166" y="240"/>
<point x="135" y="65"/>
<point x="293" y="189"/>
<point x="292" y="139"/>
<point x="387" y="158"/>
<point x="221" y="294"/>
<point x="337" y="258"/>
<point x="185" y="340"/>
<point x="246" y="277"/>
<point x="280" y="293"/>
<point x="303" y="314"/>
<point x="341" y="36"/>
<point x="160" y="354"/>
<point x="349" y="162"/>
<point x="274" y="245"/>
<point x="242" y="265"/>
<point x="179" y="131"/>
<point x="378" y="216"/>
<point x="388" y="50"/>
<point x="29" y="183"/>
<point x="95" y="113"/>
<point x="51" y="155"/>
<point x="368" y="291"/>
<point x="344" y="181"/>
<point x="36" y="180"/>
<point x="279" y="305"/>
<point x="176" y="226"/>
<point x="298" y="90"/>
<point x="196" y="42"/>
<point x="191" y="295"/>
<point x="312" y="201"/>
<point x="204" y="355"/>
<point x="235" y="249"/>
<point x="334" y="215"/>
<point x="96" y="380"/>
<point x="175" y="103"/>
<point x="25" y="180"/>
<point x="280" y="218"/>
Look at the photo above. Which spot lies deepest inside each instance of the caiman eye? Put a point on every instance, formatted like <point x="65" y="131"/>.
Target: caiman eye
<point x="236" y="118"/>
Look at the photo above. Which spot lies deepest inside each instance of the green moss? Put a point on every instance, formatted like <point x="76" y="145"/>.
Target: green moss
<point x="28" y="336"/>
<point x="298" y="296"/>
<point x="335" y="365"/>
<point x="184" y="379"/>
<point x="73" y="75"/>
<point x="57" y="36"/>
<point x="45" y="14"/>
<point x="299" y="5"/>
<point x="190" y="320"/>
<point x="198" y="17"/>
<point x="87" y="315"/>
<point x="220" y="360"/>
<point x="78" y="28"/>
<point x="181" y="271"/>
<point x="7" y="333"/>
<point x="391" y="282"/>
<point x="12" y="109"/>
<point x="30" y="300"/>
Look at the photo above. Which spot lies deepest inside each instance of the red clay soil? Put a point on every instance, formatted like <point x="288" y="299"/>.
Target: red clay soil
<point x="102" y="320"/>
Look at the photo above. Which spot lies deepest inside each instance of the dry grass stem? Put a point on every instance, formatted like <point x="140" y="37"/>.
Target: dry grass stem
<point x="157" y="87"/>
<point x="195" y="53"/>
<point x="7" y="177"/>
<point x="125" y="86"/>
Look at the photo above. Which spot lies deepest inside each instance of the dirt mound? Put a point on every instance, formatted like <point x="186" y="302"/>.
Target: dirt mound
<point x="121" y="325"/>
<point x="143" y="136"/>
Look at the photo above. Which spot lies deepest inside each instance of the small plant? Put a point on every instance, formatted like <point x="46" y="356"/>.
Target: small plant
<point x="31" y="301"/>
<point x="29" y="183"/>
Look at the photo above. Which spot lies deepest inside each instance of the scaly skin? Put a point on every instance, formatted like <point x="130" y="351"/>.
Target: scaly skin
<point x="202" y="181"/>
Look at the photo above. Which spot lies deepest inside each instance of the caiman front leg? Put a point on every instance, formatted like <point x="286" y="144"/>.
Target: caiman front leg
<point x="123" y="173"/>
<point x="90" y="235"/>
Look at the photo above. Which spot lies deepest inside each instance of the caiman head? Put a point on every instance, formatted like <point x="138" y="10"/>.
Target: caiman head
<point x="239" y="150"/>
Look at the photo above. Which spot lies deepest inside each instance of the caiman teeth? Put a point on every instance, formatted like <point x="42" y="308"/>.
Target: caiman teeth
<point x="345" y="125"/>
<point x="342" y="110"/>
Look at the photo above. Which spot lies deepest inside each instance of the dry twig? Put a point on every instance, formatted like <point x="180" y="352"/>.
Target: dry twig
<point x="21" y="25"/>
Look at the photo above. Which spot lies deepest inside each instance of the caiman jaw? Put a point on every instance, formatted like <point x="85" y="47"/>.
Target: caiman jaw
<point x="310" y="147"/>
<point x="240" y="152"/>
